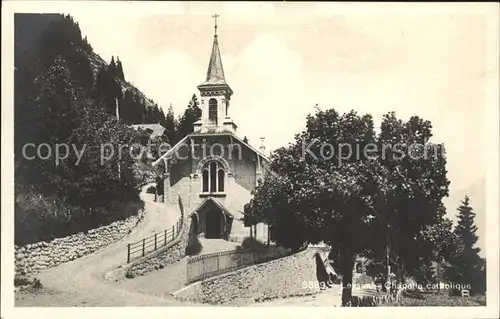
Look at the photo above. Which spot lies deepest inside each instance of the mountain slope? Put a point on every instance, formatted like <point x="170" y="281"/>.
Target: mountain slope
<point x="65" y="94"/>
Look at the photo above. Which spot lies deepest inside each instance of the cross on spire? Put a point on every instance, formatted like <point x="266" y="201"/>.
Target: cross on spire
<point x="215" y="16"/>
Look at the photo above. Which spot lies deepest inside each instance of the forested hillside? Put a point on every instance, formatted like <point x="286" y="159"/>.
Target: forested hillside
<point x="65" y="99"/>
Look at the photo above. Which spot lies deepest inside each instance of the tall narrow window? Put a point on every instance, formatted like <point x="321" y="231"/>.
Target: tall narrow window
<point x="205" y="180"/>
<point x="220" y="175"/>
<point x="213" y="177"/>
<point x="212" y="111"/>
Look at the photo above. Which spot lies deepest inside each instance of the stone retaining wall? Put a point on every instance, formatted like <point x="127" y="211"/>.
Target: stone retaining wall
<point x="171" y="253"/>
<point x="293" y="275"/>
<point x="32" y="258"/>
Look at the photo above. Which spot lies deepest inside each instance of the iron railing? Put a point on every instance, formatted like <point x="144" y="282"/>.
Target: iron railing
<point x="146" y="245"/>
<point x="209" y="265"/>
<point x="152" y="243"/>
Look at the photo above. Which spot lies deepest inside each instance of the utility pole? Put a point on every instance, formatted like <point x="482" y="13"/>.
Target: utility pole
<point x="388" y="282"/>
<point x="118" y="119"/>
<point x="117" y="109"/>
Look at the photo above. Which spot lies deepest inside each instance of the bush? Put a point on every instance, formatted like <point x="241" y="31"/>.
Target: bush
<point x="442" y="299"/>
<point x="40" y="218"/>
<point x="252" y="243"/>
<point x="194" y="246"/>
<point x="151" y="190"/>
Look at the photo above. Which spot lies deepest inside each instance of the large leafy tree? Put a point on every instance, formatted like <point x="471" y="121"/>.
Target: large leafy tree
<point x="418" y="175"/>
<point x="359" y="202"/>
<point x="315" y="196"/>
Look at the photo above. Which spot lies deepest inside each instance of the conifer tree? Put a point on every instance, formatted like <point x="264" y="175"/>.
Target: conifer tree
<point x="119" y="69"/>
<point x="191" y="115"/>
<point x="112" y="64"/>
<point x="466" y="229"/>
<point x="467" y="268"/>
<point x="170" y="126"/>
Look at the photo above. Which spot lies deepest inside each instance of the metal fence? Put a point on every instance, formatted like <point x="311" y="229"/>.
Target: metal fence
<point x="205" y="266"/>
<point x="152" y="243"/>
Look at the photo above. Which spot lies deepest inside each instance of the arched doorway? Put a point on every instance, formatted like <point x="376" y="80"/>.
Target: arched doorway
<point x="213" y="223"/>
<point x="195" y="228"/>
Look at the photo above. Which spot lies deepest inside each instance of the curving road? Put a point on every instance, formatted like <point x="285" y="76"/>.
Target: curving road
<point x="81" y="282"/>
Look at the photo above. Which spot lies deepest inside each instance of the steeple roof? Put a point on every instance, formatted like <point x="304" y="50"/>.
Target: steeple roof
<point x="215" y="73"/>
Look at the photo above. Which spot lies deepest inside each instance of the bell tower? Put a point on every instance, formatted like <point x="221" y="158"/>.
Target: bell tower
<point x="215" y="94"/>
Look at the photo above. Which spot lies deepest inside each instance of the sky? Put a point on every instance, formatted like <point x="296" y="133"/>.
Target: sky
<point x="281" y="59"/>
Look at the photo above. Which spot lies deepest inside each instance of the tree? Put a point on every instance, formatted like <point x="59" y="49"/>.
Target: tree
<point x="170" y="125"/>
<point x="443" y="242"/>
<point x="374" y="204"/>
<point x="112" y="66"/>
<point x="468" y="268"/>
<point x="420" y="183"/>
<point x="119" y="69"/>
<point x="57" y="120"/>
<point x="57" y="101"/>
<point x="191" y="115"/>
<point x="313" y="198"/>
<point x="466" y="229"/>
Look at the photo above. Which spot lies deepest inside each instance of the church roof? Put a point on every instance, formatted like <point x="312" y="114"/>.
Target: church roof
<point x="171" y="151"/>
<point x="211" y="130"/>
<point x="215" y="72"/>
<point x="216" y="202"/>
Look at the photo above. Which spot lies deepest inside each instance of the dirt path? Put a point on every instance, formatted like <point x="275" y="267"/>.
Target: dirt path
<point x="81" y="282"/>
<point x="328" y="298"/>
<point x="331" y="297"/>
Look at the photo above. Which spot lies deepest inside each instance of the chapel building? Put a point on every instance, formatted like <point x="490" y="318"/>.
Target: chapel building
<point x="211" y="170"/>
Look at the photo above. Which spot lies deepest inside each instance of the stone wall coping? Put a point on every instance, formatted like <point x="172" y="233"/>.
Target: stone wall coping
<point x="226" y="274"/>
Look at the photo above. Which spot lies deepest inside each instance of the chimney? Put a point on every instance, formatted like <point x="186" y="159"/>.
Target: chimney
<point x="262" y="147"/>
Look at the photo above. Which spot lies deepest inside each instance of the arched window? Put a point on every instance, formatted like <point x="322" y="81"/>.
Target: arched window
<point x="220" y="177"/>
<point x="205" y="181"/>
<point x="212" y="111"/>
<point x="213" y="176"/>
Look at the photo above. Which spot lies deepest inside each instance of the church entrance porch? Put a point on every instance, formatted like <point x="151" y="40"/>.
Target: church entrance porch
<point x="212" y="220"/>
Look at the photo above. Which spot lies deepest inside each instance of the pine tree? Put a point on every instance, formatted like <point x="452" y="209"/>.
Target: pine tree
<point x="112" y="64"/>
<point x="191" y="115"/>
<point x="170" y="126"/>
<point x="466" y="229"/>
<point x="467" y="267"/>
<point x="119" y="69"/>
<point x="58" y="121"/>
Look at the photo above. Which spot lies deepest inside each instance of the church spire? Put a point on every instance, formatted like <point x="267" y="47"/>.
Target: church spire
<point x="215" y="72"/>
<point x="215" y="93"/>
<point x="215" y="16"/>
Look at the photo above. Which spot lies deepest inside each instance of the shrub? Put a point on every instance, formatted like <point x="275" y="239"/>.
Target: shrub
<point x="21" y="281"/>
<point x="194" y="245"/>
<point x="151" y="190"/>
<point x="252" y="243"/>
<point x="37" y="284"/>
<point x="438" y="299"/>
<point x="40" y="218"/>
